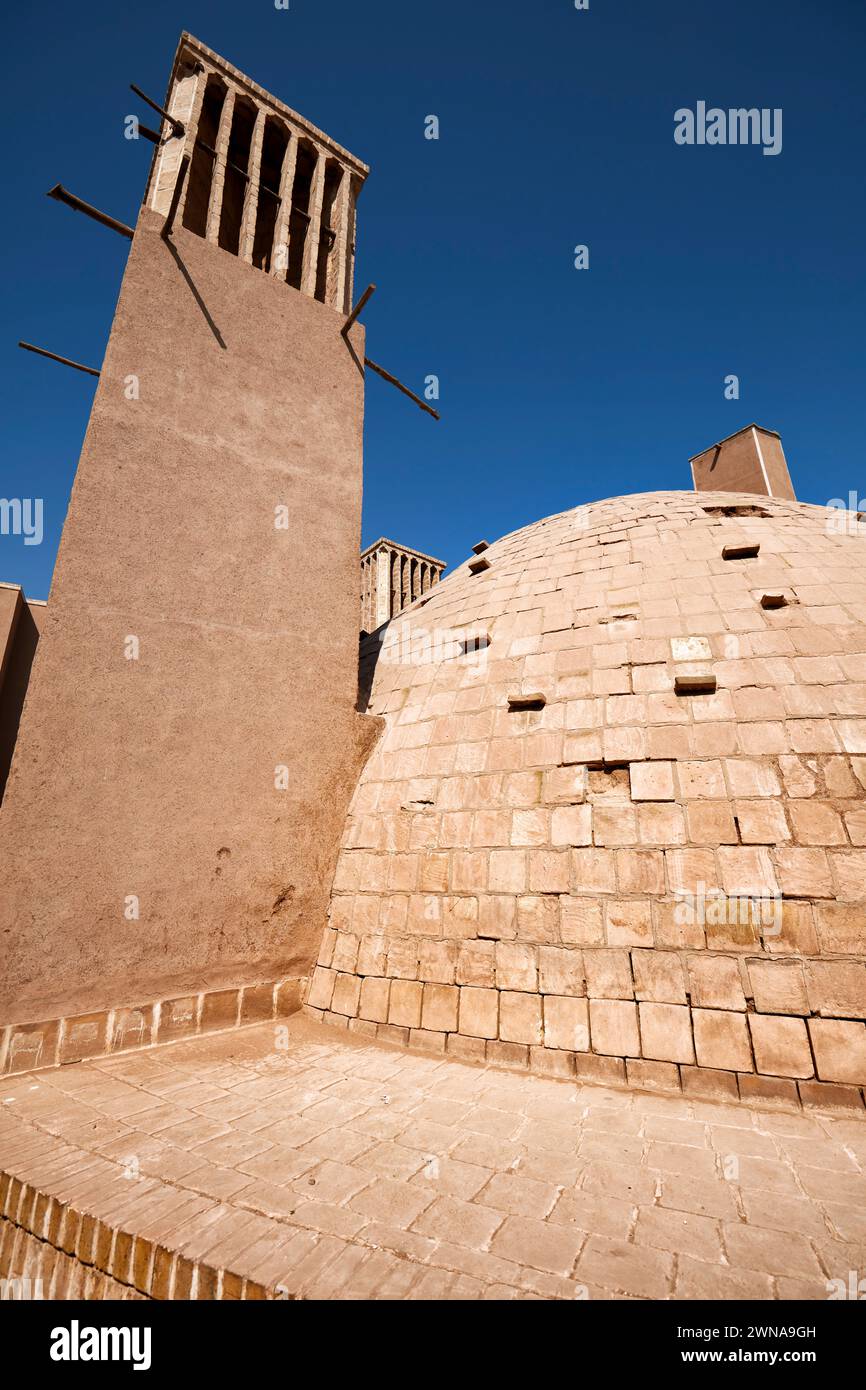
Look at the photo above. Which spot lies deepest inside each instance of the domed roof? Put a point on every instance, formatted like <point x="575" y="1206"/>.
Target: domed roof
<point x="615" y="822"/>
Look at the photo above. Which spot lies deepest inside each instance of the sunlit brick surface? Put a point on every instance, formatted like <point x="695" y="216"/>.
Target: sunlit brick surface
<point x="625" y="883"/>
<point x="286" y="1161"/>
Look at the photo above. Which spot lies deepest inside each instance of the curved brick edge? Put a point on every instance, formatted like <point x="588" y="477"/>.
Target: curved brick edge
<point x="84" y="1257"/>
<point x="26" y="1047"/>
<point x="31" y="1269"/>
<point x="695" y="1081"/>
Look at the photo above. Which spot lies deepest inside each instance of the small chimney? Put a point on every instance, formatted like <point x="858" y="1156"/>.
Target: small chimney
<point x="752" y="460"/>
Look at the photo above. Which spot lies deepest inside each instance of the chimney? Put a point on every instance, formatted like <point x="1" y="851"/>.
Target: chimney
<point x="751" y="460"/>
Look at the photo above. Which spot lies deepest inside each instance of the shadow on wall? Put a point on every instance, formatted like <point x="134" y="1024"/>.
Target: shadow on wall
<point x="368" y="656"/>
<point x="13" y="686"/>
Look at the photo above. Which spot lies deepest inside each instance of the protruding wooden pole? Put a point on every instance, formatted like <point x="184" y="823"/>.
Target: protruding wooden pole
<point x="62" y="195"/>
<point x="357" y="309"/>
<point x="400" y="387"/>
<point x="55" y="357"/>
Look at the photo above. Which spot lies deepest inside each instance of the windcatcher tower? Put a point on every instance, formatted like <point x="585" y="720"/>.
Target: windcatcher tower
<point x="189" y="739"/>
<point x="392" y="578"/>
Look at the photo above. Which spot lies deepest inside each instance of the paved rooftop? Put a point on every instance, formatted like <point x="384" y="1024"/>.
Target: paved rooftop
<point x="315" y="1165"/>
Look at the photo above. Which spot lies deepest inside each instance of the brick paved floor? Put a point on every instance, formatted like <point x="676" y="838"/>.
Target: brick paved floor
<point x="329" y="1167"/>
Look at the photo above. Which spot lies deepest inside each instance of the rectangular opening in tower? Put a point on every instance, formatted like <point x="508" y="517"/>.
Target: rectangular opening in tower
<point x="204" y="157"/>
<point x="274" y="146"/>
<point x="328" y="233"/>
<point x="237" y="176"/>
<point x="299" y="224"/>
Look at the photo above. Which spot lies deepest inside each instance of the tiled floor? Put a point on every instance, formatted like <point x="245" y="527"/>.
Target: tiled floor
<point x="332" y="1168"/>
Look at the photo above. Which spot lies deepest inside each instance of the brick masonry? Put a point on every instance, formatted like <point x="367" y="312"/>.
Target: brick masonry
<point x="623" y="882"/>
<point x="27" y="1047"/>
<point x="289" y="1162"/>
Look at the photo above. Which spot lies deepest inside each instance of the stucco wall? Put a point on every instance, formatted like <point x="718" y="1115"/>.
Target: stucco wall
<point x="155" y="776"/>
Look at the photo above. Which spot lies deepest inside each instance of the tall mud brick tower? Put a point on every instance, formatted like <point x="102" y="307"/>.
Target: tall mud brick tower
<point x="190" y="738"/>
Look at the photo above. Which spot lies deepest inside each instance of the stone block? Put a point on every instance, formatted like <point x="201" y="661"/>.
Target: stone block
<point x="439" y="1008"/>
<point x="373" y="1004"/>
<point x="601" y="1071"/>
<point x="660" y="823"/>
<point x="549" y="871"/>
<point x="767" y="1090"/>
<point x="465" y="1049"/>
<point x="133" y="1027"/>
<point x="86" y="1035"/>
<point x="257" y="1003"/>
<point x="289" y="996"/>
<point x="520" y="1018"/>
<point x="652" y="781"/>
<point x="804" y="873"/>
<point x="840" y="1050"/>
<point x="701" y="778"/>
<point x="640" y="871"/>
<point x="652" y="1076"/>
<point x="703" y="1083"/>
<point x="565" y="785"/>
<point x="548" y="1061"/>
<point x="537" y="918"/>
<point x="581" y="922"/>
<point x="592" y="871"/>
<point x="614" y="1028"/>
<point x="507" y="1054"/>
<point x="715" y="982"/>
<point x="721" y="1040"/>
<point x="658" y="977"/>
<point x="711" y="823"/>
<point x="178" y="1018"/>
<point x="566" y="1023"/>
<point x="479" y="1012"/>
<point x="666" y="1032"/>
<point x="748" y="777"/>
<point x="516" y="966"/>
<point x="840" y="928"/>
<point x="571" y="825"/>
<point x="561" y="971"/>
<point x="778" y="986"/>
<point x="828" y="1095"/>
<point x="476" y="963"/>
<point x="747" y="872"/>
<point x="816" y="823"/>
<point x="629" y="922"/>
<point x="608" y="974"/>
<point x="347" y="992"/>
<point x="836" y="989"/>
<point x="762" y="822"/>
<point x="404" y="1007"/>
<point x="781" y="1046"/>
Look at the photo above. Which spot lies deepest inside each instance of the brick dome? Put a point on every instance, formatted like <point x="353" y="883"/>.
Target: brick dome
<point x="615" y="824"/>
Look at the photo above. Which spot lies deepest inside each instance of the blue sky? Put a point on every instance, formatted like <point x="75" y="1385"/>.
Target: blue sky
<point x="558" y="386"/>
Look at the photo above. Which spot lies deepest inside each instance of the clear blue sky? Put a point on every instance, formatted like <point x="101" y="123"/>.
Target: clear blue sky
<point x="556" y="128"/>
